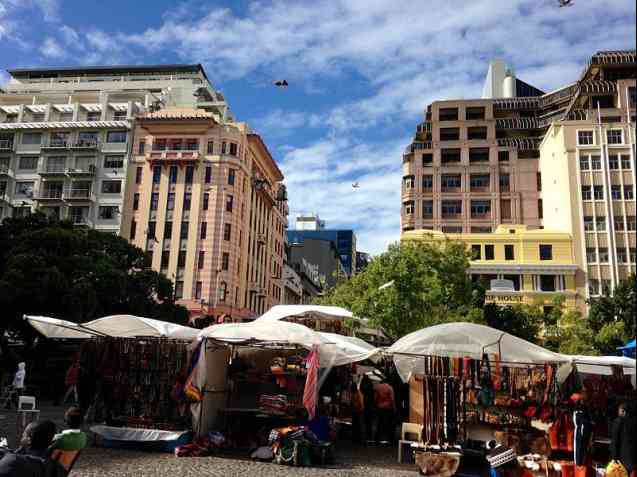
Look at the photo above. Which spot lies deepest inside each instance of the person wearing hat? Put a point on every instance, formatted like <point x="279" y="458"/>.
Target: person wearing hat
<point x="72" y="438"/>
<point x="623" y="443"/>
<point x="504" y="462"/>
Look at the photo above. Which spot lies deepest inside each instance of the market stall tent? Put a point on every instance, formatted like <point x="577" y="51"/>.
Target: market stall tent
<point x="281" y="312"/>
<point x="602" y="365"/>
<point x="114" y="326"/>
<point x="460" y="340"/>
<point x="628" y="349"/>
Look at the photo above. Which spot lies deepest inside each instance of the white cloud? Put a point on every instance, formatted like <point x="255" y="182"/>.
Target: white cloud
<point x="280" y="123"/>
<point x="52" y="49"/>
<point x="69" y="35"/>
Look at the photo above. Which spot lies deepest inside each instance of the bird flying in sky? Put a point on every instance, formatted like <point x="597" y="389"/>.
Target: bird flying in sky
<point x="281" y="84"/>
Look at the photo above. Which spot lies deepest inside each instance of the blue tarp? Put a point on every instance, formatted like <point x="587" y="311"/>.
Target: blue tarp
<point x="628" y="349"/>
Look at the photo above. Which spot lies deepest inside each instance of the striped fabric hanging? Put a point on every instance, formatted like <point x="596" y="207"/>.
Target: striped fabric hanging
<point x="310" y="393"/>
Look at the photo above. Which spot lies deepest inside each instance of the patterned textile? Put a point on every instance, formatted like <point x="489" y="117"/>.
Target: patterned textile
<point x="310" y="393"/>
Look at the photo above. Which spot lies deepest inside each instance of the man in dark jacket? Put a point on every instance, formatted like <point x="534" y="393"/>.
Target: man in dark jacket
<point x="31" y="459"/>
<point x="623" y="444"/>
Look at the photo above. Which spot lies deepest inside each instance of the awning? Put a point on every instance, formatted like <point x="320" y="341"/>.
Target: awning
<point x="36" y="108"/>
<point x="68" y="125"/>
<point x="281" y="312"/>
<point x="10" y="109"/>
<point x="64" y="108"/>
<point x="119" y="106"/>
<point x="602" y="365"/>
<point x="92" y="107"/>
<point x="61" y="329"/>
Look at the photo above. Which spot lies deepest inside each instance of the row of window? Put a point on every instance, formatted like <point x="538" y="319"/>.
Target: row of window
<point x="618" y="192"/>
<point x="173" y="173"/>
<point x="58" y="163"/>
<point x="545" y="252"/>
<point x="594" y="162"/>
<point x="454" y="182"/>
<point x="183" y="230"/>
<point x="229" y="148"/>
<point x="476" y="154"/>
<point x="452" y="114"/>
<point x="449" y="208"/>
<point x="599" y="223"/>
<point x="78" y="189"/>
<point x="544" y="283"/>
<point x="473" y="133"/>
<point x="600" y="255"/>
<point x="65" y="116"/>
<point x="587" y="138"/>
<point x="63" y="138"/>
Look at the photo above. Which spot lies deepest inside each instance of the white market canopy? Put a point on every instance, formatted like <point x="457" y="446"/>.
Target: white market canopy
<point x="281" y="312"/>
<point x="460" y="340"/>
<point x="602" y="364"/>
<point x="115" y="326"/>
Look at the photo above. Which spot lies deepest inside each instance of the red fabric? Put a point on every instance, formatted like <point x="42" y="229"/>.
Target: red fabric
<point x="310" y="393"/>
<point x="466" y="365"/>
<point x="561" y="433"/>
<point x="384" y="396"/>
<point x="72" y="374"/>
<point x="497" y="377"/>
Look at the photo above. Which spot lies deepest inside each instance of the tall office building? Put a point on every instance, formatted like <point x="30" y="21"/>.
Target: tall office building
<point x="65" y="134"/>
<point x="587" y="163"/>
<point x="205" y="200"/>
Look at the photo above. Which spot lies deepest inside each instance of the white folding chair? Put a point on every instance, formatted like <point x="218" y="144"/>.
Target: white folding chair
<point x="409" y="429"/>
<point x="24" y="401"/>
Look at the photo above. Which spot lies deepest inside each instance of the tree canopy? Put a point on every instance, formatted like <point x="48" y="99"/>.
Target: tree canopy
<point x="54" y="269"/>
<point x="428" y="285"/>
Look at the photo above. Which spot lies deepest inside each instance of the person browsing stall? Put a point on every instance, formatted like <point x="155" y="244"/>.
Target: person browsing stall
<point x="72" y="438"/>
<point x="623" y="438"/>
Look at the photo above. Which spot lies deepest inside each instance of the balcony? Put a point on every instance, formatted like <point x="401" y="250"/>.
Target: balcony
<point x="80" y="220"/>
<point x="52" y="170"/>
<point x="81" y="170"/>
<point x="516" y="123"/>
<point x="6" y="145"/>
<point x="424" y="127"/>
<point x="6" y="171"/>
<point x="257" y="288"/>
<point x="84" y="144"/>
<point x="77" y="194"/>
<point x="522" y="143"/>
<point x="57" y="143"/>
<point x="167" y="156"/>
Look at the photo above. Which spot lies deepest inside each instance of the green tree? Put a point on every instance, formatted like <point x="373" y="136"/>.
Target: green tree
<point x="55" y="269"/>
<point x="429" y="285"/>
<point x="523" y="321"/>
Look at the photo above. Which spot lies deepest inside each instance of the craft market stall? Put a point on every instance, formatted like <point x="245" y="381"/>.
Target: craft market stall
<point x="131" y="378"/>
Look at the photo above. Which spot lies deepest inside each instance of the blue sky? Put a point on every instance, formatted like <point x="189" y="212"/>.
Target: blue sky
<point x="360" y="72"/>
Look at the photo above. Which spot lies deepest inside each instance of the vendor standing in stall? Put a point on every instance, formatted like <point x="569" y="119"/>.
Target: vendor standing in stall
<point x="623" y="438"/>
<point x="385" y="402"/>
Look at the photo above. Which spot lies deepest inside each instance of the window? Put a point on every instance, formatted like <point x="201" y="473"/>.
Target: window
<point x="584" y="162"/>
<point x="208" y="176"/>
<point x="179" y="289"/>
<point x="93" y="115"/>
<point x="154" y="201"/>
<point x="451" y="208"/>
<point x="546" y="252"/>
<point x="619" y="222"/>
<point x="227" y="231"/>
<point x="223" y="291"/>
<point x="119" y="115"/>
<point x="427" y="182"/>
<point x="538" y="181"/>
<point x="150" y="233"/>
<point x="479" y="181"/>
<point x="427" y="160"/>
<point x="448" y="156"/>
<point x="593" y="286"/>
<point x="596" y="162"/>
<point x="111" y="187"/>
<point x="503" y="156"/>
<point x="600" y="223"/>
<point x="187" y="200"/>
<point x="628" y="192"/>
<point x="504" y="183"/>
<point x="231" y="176"/>
<point x="585" y="138"/>
<point x="136" y="201"/>
<point x="480" y="229"/>
<point x="616" y="192"/>
<point x="225" y="261"/>
<point x="181" y="259"/>
<point x="547" y="283"/>
<point x="622" y="256"/>
<point x="408" y="207"/>
<point x="159" y="145"/>
<point x="589" y="224"/>
<point x="170" y="201"/>
<point x="408" y="182"/>
<point x="113" y="162"/>
<point x="632" y="255"/>
<point x="233" y="149"/>
<point x="509" y="252"/>
<point x="32" y="138"/>
<point x="630" y="222"/>
<point x="168" y="230"/>
<point x="206" y="199"/>
<point x="452" y="229"/>
<point x="480" y="208"/>
<point x="210" y="147"/>
<point x="625" y="162"/>
<point x="108" y="212"/>
<point x="475" y="252"/>
<point x="116" y="136"/>
<point x="165" y="259"/>
<point x="591" y="255"/>
<point x="448" y="114"/>
<point x="173" y="174"/>
<point x="489" y="253"/>
<point x="505" y="209"/>
<point x="190" y="172"/>
<point x="204" y="230"/>
<point x="614" y="136"/>
<point x="427" y="209"/>
<point x="598" y="192"/>
<point x="133" y="230"/>
<point x="28" y="162"/>
<point x="229" y="203"/>
<point x="138" y="175"/>
<point x="477" y="133"/>
<point x="192" y="145"/>
<point x="450" y="182"/>
<point x="474" y="113"/>
<point x="200" y="260"/>
<point x="198" y="286"/>
<point x="223" y="147"/>
<point x="183" y="231"/>
<point x="156" y="174"/>
<point x="479" y="154"/>
<point x="141" y="147"/>
<point x="586" y="192"/>
<point x="613" y="161"/>
<point x="449" y="134"/>
<point x="603" y="255"/>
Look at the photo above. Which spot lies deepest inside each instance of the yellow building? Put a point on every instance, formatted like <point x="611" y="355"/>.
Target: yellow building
<point x="520" y="265"/>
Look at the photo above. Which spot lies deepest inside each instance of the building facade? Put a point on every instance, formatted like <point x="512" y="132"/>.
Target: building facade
<point x="317" y="259"/>
<point x="66" y="135"/>
<point x="202" y="201"/>
<point x="519" y="265"/>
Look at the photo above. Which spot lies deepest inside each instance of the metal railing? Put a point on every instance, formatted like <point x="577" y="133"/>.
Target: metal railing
<point x="77" y="194"/>
<point x="50" y="194"/>
<point x="88" y="169"/>
<point x="52" y="169"/>
<point x="84" y="144"/>
<point x="6" y="145"/>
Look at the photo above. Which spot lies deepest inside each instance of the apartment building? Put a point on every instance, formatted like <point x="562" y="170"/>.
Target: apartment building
<point x="66" y="134"/>
<point x="520" y="265"/>
<point x="587" y="163"/>
<point x="205" y="201"/>
<point x="474" y="164"/>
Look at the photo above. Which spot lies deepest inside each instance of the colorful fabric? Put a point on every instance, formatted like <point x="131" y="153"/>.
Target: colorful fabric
<point x="275" y="404"/>
<point x="310" y="393"/>
<point x="191" y="389"/>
